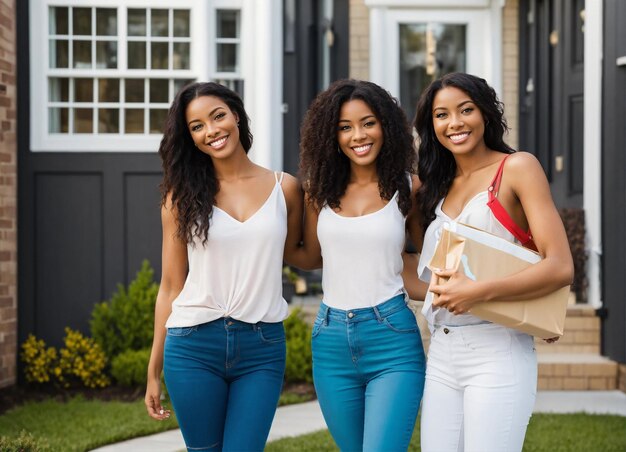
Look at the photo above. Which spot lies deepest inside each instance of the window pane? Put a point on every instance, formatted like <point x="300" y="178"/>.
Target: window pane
<point x="227" y="58"/>
<point x="137" y="22"/>
<point x="134" y="90"/>
<point x="108" y="90"/>
<point x="136" y="55"/>
<point x="227" y="23"/>
<point x="58" y="20"/>
<point x="83" y="120"/>
<point x="59" y="89"/>
<point x="180" y="83"/>
<point x="159" y="90"/>
<point x="82" y="54"/>
<point x="159" y="55"/>
<point x="106" y="54"/>
<point x="108" y="120"/>
<point x="58" y="120"/>
<point x="234" y="84"/>
<point x="81" y="21"/>
<point x="59" y="53"/>
<point x="427" y="52"/>
<point x="181" y="55"/>
<point x="134" y="120"/>
<point x="83" y="90"/>
<point x="158" y="22"/>
<point x="106" y="21"/>
<point x="181" y="23"/>
<point x="157" y="120"/>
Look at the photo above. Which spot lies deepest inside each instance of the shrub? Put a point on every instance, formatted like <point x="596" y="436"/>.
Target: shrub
<point x="81" y="361"/>
<point x="130" y="368"/>
<point x="298" y="334"/>
<point x="23" y="443"/>
<point x="574" y="222"/>
<point x="38" y="360"/>
<point x="126" y="321"/>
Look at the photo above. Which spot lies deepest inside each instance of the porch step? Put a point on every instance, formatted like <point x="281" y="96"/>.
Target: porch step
<point x="581" y="334"/>
<point x="576" y="371"/>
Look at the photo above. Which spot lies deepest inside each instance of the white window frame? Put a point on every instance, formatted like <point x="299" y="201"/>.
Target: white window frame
<point x="201" y="63"/>
<point x="483" y="36"/>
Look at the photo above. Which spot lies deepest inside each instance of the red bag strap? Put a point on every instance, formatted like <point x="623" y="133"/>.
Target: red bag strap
<point x="502" y="215"/>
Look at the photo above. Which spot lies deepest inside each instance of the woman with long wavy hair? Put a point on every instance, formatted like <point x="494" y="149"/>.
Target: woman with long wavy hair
<point x="218" y="333"/>
<point x="481" y="377"/>
<point x="368" y="362"/>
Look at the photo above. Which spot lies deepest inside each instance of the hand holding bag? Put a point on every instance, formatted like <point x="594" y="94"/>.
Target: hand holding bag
<point x="483" y="256"/>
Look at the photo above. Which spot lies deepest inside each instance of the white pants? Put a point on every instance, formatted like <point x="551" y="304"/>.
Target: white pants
<point x="481" y="383"/>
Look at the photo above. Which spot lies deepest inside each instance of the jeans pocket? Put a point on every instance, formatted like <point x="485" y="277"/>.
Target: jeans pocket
<point x="402" y="321"/>
<point x="181" y="331"/>
<point x="318" y="325"/>
<point x="272" y="333"/>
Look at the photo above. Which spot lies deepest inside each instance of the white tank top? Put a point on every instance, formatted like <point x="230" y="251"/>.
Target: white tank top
<point x="362" y="256"/>
<point x="238" y="272"/>
<point x="475" y="213"/>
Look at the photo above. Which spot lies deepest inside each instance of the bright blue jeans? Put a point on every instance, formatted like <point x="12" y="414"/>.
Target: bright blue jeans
<point x="368" y="369"/>
<point x="224" y="379"/>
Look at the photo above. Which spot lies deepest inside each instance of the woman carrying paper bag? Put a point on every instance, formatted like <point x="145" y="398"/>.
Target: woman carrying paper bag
<point x="481" y="377"/>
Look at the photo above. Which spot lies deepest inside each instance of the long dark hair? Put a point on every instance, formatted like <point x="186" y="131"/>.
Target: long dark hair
<point x="188" y="173"/>
<point x="436" y="166"/>
<point x="325" y="171"/>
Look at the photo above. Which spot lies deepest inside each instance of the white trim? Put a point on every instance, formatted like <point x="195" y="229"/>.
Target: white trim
<point x="482" y="41"/>
<point x="592" y="194"/>
<point x="428" y="3"/>
<point x="263" y="68"/>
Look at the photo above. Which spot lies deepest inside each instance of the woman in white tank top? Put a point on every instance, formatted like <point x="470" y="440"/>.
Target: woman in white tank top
<point x="481" y="377"/>
<point x="368" y="361"/>
<point x="218" y="331"/>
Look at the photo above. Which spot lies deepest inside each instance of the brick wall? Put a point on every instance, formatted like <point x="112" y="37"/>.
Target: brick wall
<point x="8" y="196"/>
<point x="510" y="68"/>
<point x="359" y="40"/>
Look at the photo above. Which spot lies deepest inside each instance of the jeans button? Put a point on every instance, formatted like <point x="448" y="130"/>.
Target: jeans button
<point x="350" y="315"/>
<point x="446" y="330"/>
<point x="230" y="322"/>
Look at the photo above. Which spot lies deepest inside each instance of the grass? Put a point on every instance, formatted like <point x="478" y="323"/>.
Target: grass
<point x="546" y="433"/>
<point x="80" y="424"/>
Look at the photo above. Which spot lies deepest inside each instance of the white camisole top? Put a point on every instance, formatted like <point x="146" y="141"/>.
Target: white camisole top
<point x="362" y="256"/>
<point x="238" y="272"/>
<point x="475" y="213"/>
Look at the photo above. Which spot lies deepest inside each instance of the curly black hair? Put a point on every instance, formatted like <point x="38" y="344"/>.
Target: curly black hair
<point x="326" y="172"/>
<point x="188" y="173"/>
<point x="436" y="166"/>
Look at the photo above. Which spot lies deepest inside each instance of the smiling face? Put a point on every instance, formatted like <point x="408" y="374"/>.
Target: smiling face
<point x="213" y="126"/>
<point x="457" y="121"/>
<point x="359" y="134"/>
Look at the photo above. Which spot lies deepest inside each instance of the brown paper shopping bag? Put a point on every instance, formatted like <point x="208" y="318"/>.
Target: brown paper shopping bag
<point x="482" y="256"/>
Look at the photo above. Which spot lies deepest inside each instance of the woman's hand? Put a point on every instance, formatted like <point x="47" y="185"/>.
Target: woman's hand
<point x="550" y="340"/>
<point x="153" y="400"/>
<point x="458" y="294"/>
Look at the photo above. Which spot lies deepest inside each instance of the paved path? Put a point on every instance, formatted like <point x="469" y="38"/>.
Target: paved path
<point x="295" y="420"/>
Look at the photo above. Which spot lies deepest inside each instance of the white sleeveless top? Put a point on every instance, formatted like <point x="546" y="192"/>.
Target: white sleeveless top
<point x="362" y="256"/>
<point x="238" y="272"/>
<point x="475" y="213"/>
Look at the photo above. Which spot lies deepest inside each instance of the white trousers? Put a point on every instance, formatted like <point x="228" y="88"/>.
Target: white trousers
<point x="481" y="384"/>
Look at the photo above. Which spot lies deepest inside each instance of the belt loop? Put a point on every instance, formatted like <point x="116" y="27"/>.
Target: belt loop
<point x="326" y="315"/>
<point x="377" y="312"/>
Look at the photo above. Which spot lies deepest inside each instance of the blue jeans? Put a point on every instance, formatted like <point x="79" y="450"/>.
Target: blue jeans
<point x="224" y="379"/>
<point x="368" y="369"/>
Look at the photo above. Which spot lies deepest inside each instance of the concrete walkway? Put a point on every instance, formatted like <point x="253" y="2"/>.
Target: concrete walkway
<point x="295" y="420"/>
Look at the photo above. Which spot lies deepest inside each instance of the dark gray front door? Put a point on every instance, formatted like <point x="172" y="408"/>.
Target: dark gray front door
<point x="614" y="180"/>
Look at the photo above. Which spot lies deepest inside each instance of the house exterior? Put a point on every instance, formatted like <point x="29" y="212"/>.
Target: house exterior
<point x="85" y="86"/>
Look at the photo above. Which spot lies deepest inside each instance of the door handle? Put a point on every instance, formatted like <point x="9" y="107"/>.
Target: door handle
<point x="621" y="61"/>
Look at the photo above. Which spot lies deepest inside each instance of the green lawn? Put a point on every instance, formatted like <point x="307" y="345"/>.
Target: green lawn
<point x="546" y="433"/>
<point x="80" y="424"/>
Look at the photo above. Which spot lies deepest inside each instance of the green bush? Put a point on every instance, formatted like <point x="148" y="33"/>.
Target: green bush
<point x="23" y="443"/>
<point x="130" y="368"/>
<point x="126" y="321"/>
<point x="299" y="367"/>
<point x="38" y="360"/>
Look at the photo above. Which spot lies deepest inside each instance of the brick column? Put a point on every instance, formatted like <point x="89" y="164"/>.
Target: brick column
<point x="510" y="69"/>
<point x="359" y="40"/>
<point x="8" y="196"/>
